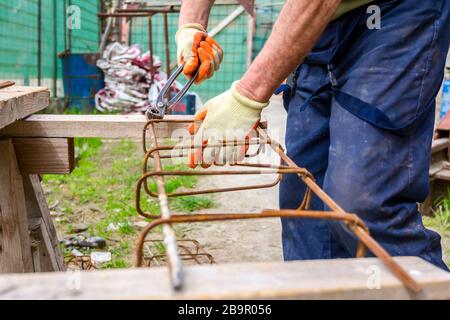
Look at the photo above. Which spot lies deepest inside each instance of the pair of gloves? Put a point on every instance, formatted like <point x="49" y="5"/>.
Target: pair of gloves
<point x="230" y="116"/>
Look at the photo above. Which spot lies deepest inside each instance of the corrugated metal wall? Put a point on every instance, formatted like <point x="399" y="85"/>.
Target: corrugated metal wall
<point x="19" y="38"/>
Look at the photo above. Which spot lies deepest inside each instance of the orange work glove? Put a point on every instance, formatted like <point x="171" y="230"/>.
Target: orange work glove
<point x="198" y="51"/>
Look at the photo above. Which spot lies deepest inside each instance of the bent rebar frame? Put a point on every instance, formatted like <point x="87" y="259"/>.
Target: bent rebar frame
<point x="157" y="174"/>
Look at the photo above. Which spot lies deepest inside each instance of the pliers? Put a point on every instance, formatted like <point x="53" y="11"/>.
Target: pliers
<point x="159" y="109"/>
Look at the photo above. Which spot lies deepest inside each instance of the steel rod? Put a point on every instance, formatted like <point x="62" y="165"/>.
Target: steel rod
<point x="166" y="43"/>
<point x="150" y="47"/>
<point x="351" y="221"/>
<point x="6" y="84"/>
<point x="39" y="42"/>
<point x="174" y="261"/>
<point x="352" y="218"/>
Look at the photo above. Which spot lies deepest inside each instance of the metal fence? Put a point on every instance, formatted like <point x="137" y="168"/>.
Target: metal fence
<point x="33" y="32"/>
<point x="233" y="40"/>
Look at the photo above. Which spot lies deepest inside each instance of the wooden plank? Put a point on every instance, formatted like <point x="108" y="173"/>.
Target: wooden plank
<point x="364" y="278"/>
<point x="15" y="253"/>
<point x="443" y="174"/>
<point x="100" y="126"/>
<point x="43" y="254"/>
<point x="45" y="155"/>
<point x="439" y="144"/>
<point x="18" y="102"/>
<point x="37" y="208"/>
<point x="39" y="257"/>
<point x="436" y="167"/>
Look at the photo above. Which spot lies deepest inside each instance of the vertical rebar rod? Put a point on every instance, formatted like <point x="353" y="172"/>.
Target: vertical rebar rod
<point x="174" y="262"/>
<point x="166" y="40"/>
<point x="150" y="46"/>
<point x="69" y="33"/>
<point x="55" y="50"/>
<point x="66" y="58"/>
<point x="65" y="25"/>
<point x="130" y="32"/>
<point x="39" y="42"/>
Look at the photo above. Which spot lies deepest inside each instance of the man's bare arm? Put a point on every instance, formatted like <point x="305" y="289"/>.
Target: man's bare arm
<point x="300" y="24"/>
<point x="195" y="11"/>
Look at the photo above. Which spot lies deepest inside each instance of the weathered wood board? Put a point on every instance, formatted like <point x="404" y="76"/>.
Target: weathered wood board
<point x="45" y="155"/>
<point x="364" y="278"/>
<point x="15" y="250"/>
<point x="99" y="126"/>
<point x="439" y="144"/>
<point x="41" y="226"/>
<point x="18" y="102"/>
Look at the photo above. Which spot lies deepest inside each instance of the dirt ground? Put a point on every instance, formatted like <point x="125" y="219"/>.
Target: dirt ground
<point x="248" y="240"/>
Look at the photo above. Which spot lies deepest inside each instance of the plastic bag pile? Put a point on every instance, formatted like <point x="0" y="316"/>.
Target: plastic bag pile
<point x="128" y="82"/>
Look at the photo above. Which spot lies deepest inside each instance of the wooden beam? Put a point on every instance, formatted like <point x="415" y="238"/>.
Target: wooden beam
<point x="45" y="155"/>
<point x="18" y="102"/>
<point x="100" y="126"/>
<point x="44" y="231"/>
<point x="439" y="144"/>
<point x="15" y="251"/>
<point x="365" y="278"/>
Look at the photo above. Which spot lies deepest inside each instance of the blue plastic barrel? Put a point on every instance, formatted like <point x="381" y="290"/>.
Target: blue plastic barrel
<point x="81" y="79"/>
<point x="186" y="106"/>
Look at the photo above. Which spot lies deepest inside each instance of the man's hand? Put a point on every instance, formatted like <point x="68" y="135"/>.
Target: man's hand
<point x="227" y="117"/>
<point x="198" y="51"/>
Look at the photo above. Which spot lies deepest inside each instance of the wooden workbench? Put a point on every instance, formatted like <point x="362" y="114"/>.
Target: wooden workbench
<point x="28" y="239"/>
<point x="364" y="278"/>
<point x="40" y="144"/>
<point x="17" y="102"/>
<point x="34" y="144"/>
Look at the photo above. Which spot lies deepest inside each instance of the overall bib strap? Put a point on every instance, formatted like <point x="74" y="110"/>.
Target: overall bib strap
<point x="376" y="117"/>
<point x="316" y="95"/>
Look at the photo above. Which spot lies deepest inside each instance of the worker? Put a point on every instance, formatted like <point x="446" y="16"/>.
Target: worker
<point x="360" y="113"/>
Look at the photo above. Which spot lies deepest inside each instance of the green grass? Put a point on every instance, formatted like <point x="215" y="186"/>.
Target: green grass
<point x="441" y="218"/>
<point x="191" y="203"/>
<point x="100" y="192"/>
<point x="440" y="221"/>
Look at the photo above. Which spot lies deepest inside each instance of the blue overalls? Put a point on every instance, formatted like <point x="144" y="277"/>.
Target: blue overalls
<point x="360" y="119"/>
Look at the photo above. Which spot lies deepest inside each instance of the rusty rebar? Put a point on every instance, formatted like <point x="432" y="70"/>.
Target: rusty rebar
<point x="286" y="166"/>
<point x="6" y="84"/>
<point x="166" y="44"/>
<point x="174" y="261"/>
<point x="188" y="255"/>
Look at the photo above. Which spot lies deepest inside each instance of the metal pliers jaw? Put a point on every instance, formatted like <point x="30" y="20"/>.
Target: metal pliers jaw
<point x="159" y="109"/>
